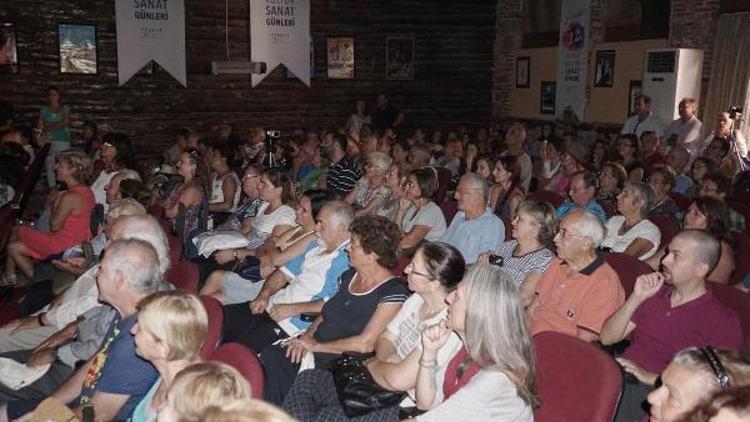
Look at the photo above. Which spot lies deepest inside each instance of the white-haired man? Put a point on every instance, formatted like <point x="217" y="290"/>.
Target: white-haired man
<point x="579" y="290"/>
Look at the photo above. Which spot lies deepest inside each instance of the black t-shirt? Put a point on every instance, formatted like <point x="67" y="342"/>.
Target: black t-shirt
<point x="384" y="119"/>
<point x="346" y="314"/>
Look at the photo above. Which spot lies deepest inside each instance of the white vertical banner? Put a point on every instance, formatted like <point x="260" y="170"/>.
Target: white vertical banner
<point x="150" y="30"/>
<point x="280" y="34"/>
<point x="573" y="57"/>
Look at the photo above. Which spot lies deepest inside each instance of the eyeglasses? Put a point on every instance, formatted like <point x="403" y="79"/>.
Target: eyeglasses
<point x="250" y="176"/>
<point x="107" y="145"/>
<point x="415" y="272"/>
<point x="564" y="234"/>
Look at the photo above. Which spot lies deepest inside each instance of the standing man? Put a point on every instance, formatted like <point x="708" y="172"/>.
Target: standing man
<point x="385" y="115"/>
<point x="686" y="130"/>
<point x="642" y="120"/>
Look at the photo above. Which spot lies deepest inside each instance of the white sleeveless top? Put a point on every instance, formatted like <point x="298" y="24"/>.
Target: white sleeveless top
<point x="217" y="192"/>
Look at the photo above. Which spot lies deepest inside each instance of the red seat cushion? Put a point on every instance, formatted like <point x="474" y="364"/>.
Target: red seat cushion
<point x="547" y="196"/>
<point x="215" y="324"/>
<point x="244" y="360"/>
<point x="736" y="300"/>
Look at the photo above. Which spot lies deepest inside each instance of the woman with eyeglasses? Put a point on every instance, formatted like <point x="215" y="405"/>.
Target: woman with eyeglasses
<point x="371" y="190"/>
<point x="249" y="206"/>
<point x="433" y="273"/>
<point x="692" y="377"/>
<point x="662" y="181"/>
<point x="418" y="216"/>
<point x="631" y="232"/>
<point x="116" y="155"/>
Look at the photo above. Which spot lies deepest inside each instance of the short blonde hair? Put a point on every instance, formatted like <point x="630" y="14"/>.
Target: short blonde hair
<point x="206" y="384"/>
<point x="177" y="319"/>
<point x="246" y="410"/>
<point x="380" y="161"/>
<point x="82" y="165"/>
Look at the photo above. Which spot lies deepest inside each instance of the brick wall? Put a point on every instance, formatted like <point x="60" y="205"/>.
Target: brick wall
<point x="508" y="38"/>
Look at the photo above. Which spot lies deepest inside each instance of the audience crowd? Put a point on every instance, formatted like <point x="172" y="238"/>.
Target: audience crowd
<point x="372" y="272"/>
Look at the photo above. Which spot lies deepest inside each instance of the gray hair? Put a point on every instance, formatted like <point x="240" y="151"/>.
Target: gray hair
<point x="478" y="182"/>
<point x="589" y="225"/>
<point x="137" y="262"/>
<point x="341" y="212"/>
<point x="497" y="334"/>
<point x="147" y="229"/>
<point x="380" y="160"/>
<point x="128" y="174"/>
<point x="645" y="194"/>
<point x="125" y="207"/>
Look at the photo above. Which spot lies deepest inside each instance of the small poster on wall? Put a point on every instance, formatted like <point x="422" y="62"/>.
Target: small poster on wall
<point x="523" y="67"/>
<point x="605" y="69"/>
<point x="636" y="87"/>
<point x="399" y="58"/>
<point x="77" y="49"/>
<point x="8" y="48"/>
<point x="340" y="58"/>
<point x="547" y="98"/>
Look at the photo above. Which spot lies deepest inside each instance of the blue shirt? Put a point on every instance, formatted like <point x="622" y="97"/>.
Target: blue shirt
<point x="61" y="134"/>
<point x="472" y="237"/>
<point x="591" y="207"/>
<point x="682" y="184"/>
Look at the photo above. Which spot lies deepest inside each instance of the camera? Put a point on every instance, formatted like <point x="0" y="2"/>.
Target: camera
<point x="734" y="111"/>
<point x="496" y="260"/>
<point x="273" y="134"/>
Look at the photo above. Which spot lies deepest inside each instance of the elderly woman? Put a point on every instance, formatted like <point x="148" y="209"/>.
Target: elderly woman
<point x="69" y="222"/>
<point x="612" y="179"/>
<point x="527" y="256"/>
<point x="396" y="182"/>
<point x="712" y="216"/>
<point x="419" y="217"/>
<point x="662" y="180"/>
<point x="435" y="271"/>
<point x="117" y="155"/>
<point x="199" y="387"/>
<point x="692" y="377"/>
<point x="369" y="296"/>
<point x="631" y="232"/>
<point x="371" y="190"/>
<point x="171" y="329"/>
<point x="249" y="206"/>
<point x="492" y="378"/>
<point x="113" y="191"/>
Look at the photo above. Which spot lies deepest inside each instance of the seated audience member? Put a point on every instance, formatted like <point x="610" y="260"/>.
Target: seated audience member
<point x="225" y="185"/>
<point x="726" y="146"/>
<point x="174" y="153"/>
<point x="650" y="150"/>
<point x="191" y="194"/>
<point x="711" y="216"/>
<point x="371" y="190"/>
<point x="631" y="232"/>
<point x="275" y="215"/>
<point x="514" y="141"/>
<point x="572" y="161"/>
<point x="717" y="186"/>
<point x="418" y="216"/>
<point x="505" y="193"/>
<point x="318" y="171"/>
<point x="419" y="156"/>
<point x="679" y="160"/>
<point x="730" y="404"/>
<point x="171" y="329"/>
<point x="116" y="154"/>
<point x="582" y="193"/>
<point x="400" y="152"/>
<point x="549" y="171"/>
<point x="642" y="120"/>
<point x="112" y="189"/>
<point x="19" y="140"/>
<point x="686" y="130"/>
<point x="115" y="379"/>
<point x="243" y="283"/>
<point x="249" y="206"/>
<point x="343" y="172"/>
<point x="69" y="222"/>
<point x="662" y="181"/>
<point x="492" y="377"/>
<point x="612" y="179"/>
<point x="435" y="271"/>
<point x="300" y="286"/>
<point x="246" y="410"/>
<point x="627" y="149"/>
<point x="475" y="228"/>
<point x="11" y="175"/>
<point x="667" y="312"/>
<point x="579" y="290"/>
<point x="202" y="386"/>
<point x="693" y="376"/>
<point x="90" y="138"/>
<point x="396" y="182"/>
<point x="483" y="169"/>
<point x="701" y="167"/>
<point x="528" y="255"/>
<point x="368" y="297"/>
<point x="601" y="153"/>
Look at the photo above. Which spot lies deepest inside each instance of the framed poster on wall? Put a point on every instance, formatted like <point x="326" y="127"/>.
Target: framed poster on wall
<point x="77" y="47"/>
<point x="340" y="51"/>
<point x="8" y="48"/>
<point x="636" y="87"/>
<point x="604" y="75"/>
<point x="399" y="58"/>
<point x="523" y="69"/>
<point x="547" y="97"/>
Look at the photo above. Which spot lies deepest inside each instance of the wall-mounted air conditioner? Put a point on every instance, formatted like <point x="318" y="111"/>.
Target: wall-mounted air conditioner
<point x="237" y="68"/>
<point x="669" y="76"/>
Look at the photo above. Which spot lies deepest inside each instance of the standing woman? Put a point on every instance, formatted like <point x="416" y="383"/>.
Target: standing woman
<point x="69" y="223"/>
<point x="506" y="194"/>
<point x="492" y="378"/>
<point x="171" y="329"/>
<point x="54" y="120"/>
<point x="357" y="119"/>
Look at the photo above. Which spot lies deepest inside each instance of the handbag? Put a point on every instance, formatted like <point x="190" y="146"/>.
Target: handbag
<point x="249" y="269"/>
<point x="357" y="391"/>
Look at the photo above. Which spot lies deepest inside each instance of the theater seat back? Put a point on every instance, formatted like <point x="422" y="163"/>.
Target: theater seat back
<point x="736" y="300"/>
<point x="215" y="324"/>
<point x="245" y="361"/>
<point x="627" y="268"/>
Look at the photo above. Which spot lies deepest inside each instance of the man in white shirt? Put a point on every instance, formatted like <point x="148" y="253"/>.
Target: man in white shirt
<point x="686" y="130"/>
<point x="642" y="120"/>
